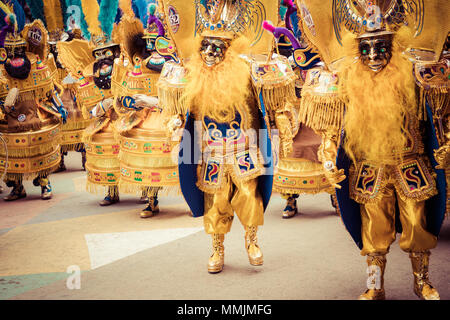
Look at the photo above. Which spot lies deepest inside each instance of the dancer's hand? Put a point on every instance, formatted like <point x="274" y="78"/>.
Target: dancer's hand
<point x="333" y="174"/>
<point x="143" y="101"/>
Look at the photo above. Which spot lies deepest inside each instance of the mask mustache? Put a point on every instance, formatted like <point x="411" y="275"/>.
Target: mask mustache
<point x="102" y="64"/>
<point x="19" y="67"/>
<point x="103" y="81"/>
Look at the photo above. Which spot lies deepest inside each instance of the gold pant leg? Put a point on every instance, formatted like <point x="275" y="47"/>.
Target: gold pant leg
<point x="219" y="214"/>
<point x="378" y="223"/>
<point x="414" y="237"/>
<point x="247" y="203"/>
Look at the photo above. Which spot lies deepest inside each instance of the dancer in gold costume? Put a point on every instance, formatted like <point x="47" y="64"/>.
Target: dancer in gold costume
<point x="92" y="64"/>
<point x="146" y="163"/>
<point x="299" y="170"/>
<point x="31" y="109"/>
<point x="230" y="94"/>
<point x="379" y="154"/>
<point x="52" y="14"/>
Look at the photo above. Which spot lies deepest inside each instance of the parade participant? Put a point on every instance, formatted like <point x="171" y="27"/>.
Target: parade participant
<point x="51" y="13"/>
<point x="146" y="164"/>
<point x="31" y="110"/>
<point x="92" y="64"/>
<point x="299" y="171"/>
<point x="379" y="153"/>
<point x="228" y="94"/>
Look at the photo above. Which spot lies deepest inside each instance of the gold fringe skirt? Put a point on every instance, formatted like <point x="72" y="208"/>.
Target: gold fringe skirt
<point x="147" y="162"/>
<point x="72" y="134"/>
<point x="31" y="153"/>
<point x="102" y="161"/>
<point x="300" y="176"/>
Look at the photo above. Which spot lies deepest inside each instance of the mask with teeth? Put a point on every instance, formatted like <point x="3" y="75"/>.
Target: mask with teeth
<point x="213" y="50"/>
<point x="376" y="52"/>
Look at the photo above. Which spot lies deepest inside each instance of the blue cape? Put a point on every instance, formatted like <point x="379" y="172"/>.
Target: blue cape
<point x="435" y="206"/>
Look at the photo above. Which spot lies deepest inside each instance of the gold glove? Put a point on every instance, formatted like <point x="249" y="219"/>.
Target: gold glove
<point x="174" y="124"/>
<point x="442" y="156"/>
<point x="333" y="174"/>
<point x="143" y="101"/>
<point x="102" y="107"/>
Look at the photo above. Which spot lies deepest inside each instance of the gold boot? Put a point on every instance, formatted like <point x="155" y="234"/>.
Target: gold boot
<point x="255" y="255"/>
<point x="216" y="261"/>
<point x="422" y="285"/>
<point x="375" y="282"/>
<point x="291" y="207"/>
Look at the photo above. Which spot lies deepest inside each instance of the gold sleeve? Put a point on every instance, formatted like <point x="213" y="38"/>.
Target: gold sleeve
<point x="283" y="122"/>
<point x="327" y="154"/>
<point x="329" y="146"/>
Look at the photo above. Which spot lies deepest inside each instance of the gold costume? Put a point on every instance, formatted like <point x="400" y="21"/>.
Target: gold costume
<point x="384" y="135"/>
<point x="92" y="64"/>
<point x="31" y="124"/>
<point x="222" y="81"/>
<point x="72" y="128"/>
<point x="241" y="197"/>
<point x="146" y="157"/>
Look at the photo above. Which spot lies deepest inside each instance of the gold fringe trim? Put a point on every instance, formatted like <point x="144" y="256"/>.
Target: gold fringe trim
<point x="439" y="98"/>
<point x="72" y="147"/>
<point x="301" y="191"/>
<point x="29" y="152"/>
<point x="320" y="112"/>
<point x="76" y="124"/>
<point x="137" y="189"/>
<point x="277" y="95"/>
<point x="101" y="189"/>
<point x="171" y="100"/>
<point x="18" y="177"/>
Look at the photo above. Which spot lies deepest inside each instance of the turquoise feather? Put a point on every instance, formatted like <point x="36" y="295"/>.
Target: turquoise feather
<point x="107" y="15"/>
<point x="37" y="10"/>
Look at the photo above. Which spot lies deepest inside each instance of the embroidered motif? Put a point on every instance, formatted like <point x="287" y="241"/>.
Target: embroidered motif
<point x="366" y="184"/>
<point x="212" y="172"/>
<point x="415" y="180"/>
<point x="245" y="164"/>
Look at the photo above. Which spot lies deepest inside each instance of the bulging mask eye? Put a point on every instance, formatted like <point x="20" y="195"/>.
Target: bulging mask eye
<point x="108" y="53"/>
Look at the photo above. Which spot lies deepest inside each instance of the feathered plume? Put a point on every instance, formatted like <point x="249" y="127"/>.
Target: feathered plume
<point x="91" y="10"/>
<point x="131" y="33"/>
<point x="140" y="8"/>
<point x="7" y="22"/>
<point x="108" y="12"/>
<point x="153" y="19"/>
<point x="12" y="19"/>
<point x="37" y="9"/>
<point x="126" y="7"/>
<point x="53" y="15"/>
<point x="17" y="10"/>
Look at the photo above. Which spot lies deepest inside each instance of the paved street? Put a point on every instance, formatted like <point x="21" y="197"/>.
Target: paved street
<point x="121" y="256"/>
